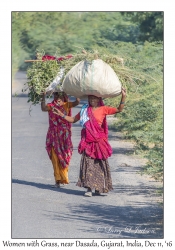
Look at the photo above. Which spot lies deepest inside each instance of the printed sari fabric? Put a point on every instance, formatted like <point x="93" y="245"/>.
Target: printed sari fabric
<point x="95" y="174"/>
<point x="59" y="135"/>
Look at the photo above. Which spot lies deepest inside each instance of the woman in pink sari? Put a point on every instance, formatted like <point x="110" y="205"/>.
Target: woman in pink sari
<point x="94" y="145"/>
<point x="58" y="140"/>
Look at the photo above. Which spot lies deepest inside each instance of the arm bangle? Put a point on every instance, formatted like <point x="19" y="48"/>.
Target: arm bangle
<point x="63" y="116"/>
<point x="122" y="102"/>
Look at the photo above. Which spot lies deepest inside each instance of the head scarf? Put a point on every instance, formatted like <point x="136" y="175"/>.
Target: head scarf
<point x="65" y="99"/>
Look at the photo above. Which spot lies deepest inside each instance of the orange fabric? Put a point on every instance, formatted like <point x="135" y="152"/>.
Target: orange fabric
<point x="100" y="113"/>
<point x="66" y="106"/>
<point x="61" y="174"/>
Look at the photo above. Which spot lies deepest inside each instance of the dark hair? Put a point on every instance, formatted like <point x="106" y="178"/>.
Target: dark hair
<point x="58" y="93"/>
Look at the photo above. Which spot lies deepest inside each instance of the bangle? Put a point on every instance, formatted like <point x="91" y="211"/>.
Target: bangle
<point x="63" y="116"/>
<point x="122" y="102"/>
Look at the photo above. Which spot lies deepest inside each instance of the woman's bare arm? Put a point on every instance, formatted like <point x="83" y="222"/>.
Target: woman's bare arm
<point x="66" y="117"/>
<point x="76" y="102"/>
<point x="44" y="107"/>
<point x="122" y="103"/>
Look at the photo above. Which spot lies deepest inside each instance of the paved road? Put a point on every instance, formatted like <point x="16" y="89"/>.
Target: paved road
<point x="38" y="211"/>
<point x="131" y="210"/>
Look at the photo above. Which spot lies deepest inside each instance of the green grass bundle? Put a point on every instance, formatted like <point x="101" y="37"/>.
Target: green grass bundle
<point x="41" y="73"/>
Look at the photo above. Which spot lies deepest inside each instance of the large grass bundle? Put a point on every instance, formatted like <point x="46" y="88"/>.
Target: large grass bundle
<point x="42" y="72"/>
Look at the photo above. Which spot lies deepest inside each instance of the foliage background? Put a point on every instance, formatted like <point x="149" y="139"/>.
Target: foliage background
<point x="137" y="37"/>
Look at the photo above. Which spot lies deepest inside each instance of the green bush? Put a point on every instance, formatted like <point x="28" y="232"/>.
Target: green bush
<point x="142" y="118"/>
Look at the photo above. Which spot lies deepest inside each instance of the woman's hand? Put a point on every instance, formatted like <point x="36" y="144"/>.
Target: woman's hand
<point x="78" y="100"/>
<point x="66" y="117"/>
<point x="123" y="92"/>
<point x="56" y="111"/>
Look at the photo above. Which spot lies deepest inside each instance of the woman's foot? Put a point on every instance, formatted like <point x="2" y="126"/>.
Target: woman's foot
<point x="88" y="193"/>
<point x="57" y="185"/>
<point x="97" y="192"/>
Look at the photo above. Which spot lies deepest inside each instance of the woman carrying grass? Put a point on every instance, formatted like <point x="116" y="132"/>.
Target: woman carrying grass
<point x="58" y="140"/>
<point x="94" y="146"/>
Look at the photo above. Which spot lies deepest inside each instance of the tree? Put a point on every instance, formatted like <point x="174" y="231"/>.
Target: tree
<point x="150" y="24"/>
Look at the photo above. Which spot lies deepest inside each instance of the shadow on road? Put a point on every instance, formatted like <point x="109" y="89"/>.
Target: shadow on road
<point x="116" y="221"/>
<point x="139" y="221"/>
<point x="141" y="189"/>
<point x="48" y="187"/>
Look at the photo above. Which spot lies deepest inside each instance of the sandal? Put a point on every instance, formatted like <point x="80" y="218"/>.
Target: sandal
<point x="88" y="194"/>
<point x="57" y="185"/>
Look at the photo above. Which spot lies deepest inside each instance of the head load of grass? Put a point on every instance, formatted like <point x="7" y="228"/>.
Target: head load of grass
<point x="42" y="72"/>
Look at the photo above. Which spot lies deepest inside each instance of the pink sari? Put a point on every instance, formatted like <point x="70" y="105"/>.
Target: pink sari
<point x="94" y="139"/>
<point x="59" y="136"/>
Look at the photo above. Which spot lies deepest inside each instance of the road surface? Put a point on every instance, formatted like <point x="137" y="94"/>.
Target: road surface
<point x="131" y="211"/>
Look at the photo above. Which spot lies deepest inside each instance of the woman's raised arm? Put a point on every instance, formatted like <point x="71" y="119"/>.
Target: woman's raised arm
<point x="122" y="103"/>
<point x="66" y="117"/>
<point x="43" y="103"/>
<point x="76" y="102"/>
